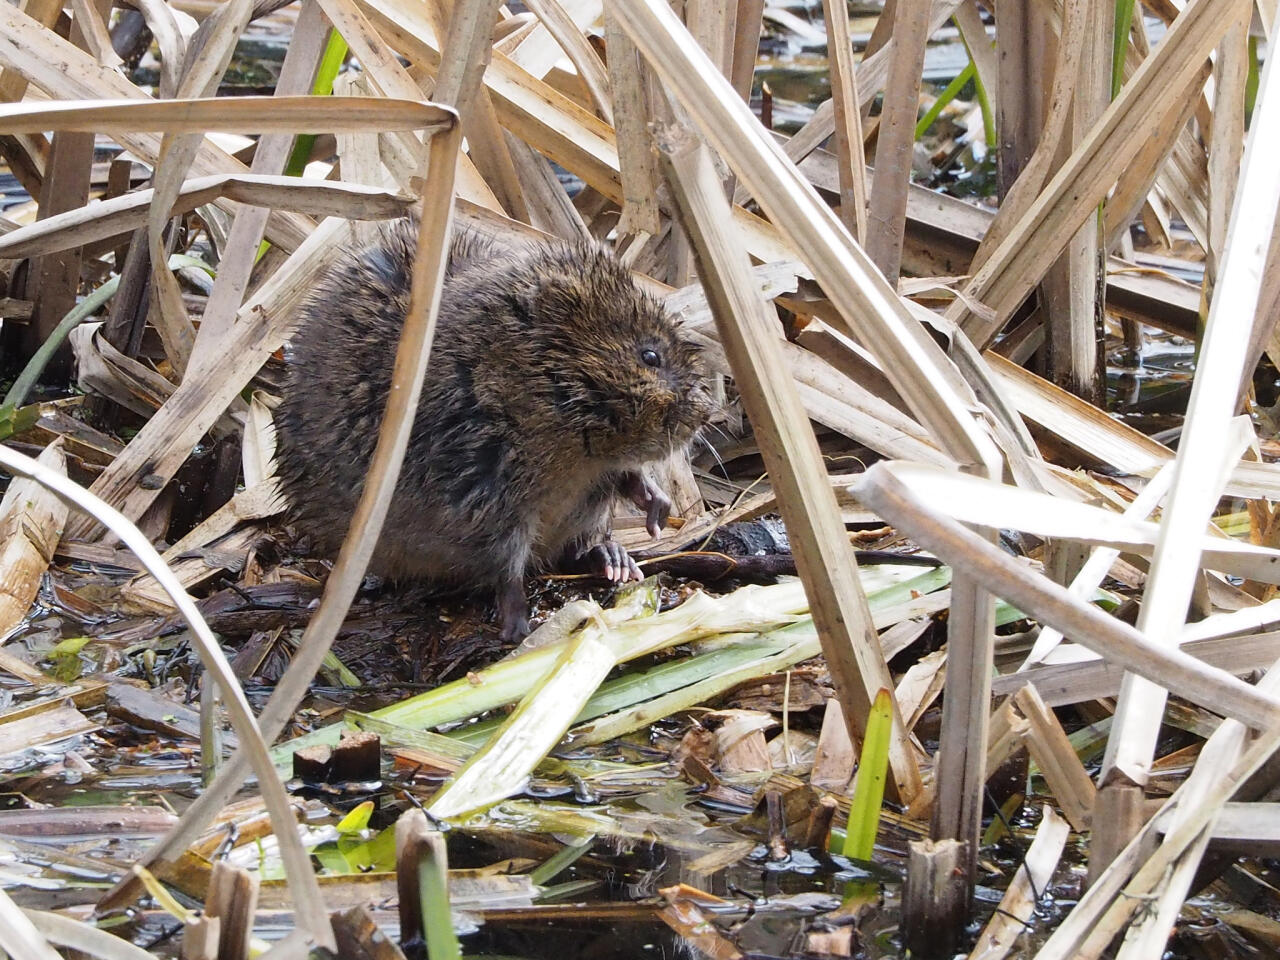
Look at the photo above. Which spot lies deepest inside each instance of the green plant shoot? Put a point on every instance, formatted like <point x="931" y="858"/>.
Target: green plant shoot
<point x="868" y="793"/>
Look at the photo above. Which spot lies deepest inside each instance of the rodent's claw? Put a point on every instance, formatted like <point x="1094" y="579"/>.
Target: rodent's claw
<point x="611" y="561"/>
<point x="655" y="517"/>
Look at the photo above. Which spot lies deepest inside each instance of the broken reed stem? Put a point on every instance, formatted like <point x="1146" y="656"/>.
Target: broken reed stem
<point x="1053" y="604"/>
<point x="1123" y="887"/>
<point x="935" y="901"/>
<point x="297" y="73"/>
<point x="232" y="899"/>
<point x="887" y="212"/>
<point x="1020" y="260"/>
<point x="312" y="919"/>
<point x="824" y="557"/>
<point x="848" y="120"/>
<point x="422" y="885"/>
<point x="1197" y="477"/>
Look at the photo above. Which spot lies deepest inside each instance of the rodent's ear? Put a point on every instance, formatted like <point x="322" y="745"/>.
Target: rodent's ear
<point x="554" y="288"/>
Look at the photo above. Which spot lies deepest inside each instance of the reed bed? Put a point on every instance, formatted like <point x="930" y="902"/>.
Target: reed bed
<point x="1069" y="628"/>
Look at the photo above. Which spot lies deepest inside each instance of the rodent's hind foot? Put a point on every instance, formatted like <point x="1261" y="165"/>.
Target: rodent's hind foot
<point x="513" y="611"/>
<point x="611" y="561"/>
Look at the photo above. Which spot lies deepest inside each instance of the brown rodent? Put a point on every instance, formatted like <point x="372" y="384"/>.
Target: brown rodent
<point x="552" y="381"/>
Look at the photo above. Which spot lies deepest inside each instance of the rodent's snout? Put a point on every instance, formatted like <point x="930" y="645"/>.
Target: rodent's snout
<point x="689" y="410"/>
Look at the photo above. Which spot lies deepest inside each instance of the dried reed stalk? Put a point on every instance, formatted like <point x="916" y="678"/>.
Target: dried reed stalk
<point x="823" y="555"/>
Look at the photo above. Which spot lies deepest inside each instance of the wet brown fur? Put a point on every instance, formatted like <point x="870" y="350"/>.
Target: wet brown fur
<point x="537" y="406"/>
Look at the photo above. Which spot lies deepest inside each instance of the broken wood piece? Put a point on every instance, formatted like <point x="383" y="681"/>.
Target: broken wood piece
<point x="818" y="832"/>
<point x="774" y="814"/>
<point x="836" y="942"/>
<point x="13" y="664"/>
<point x="360" y="938"/>
<point x="1123" y="808"/>
<point x="1053" y="753"/>
<point x="836" y="757"/>
<point x="57" y="722"/>
<point x="357" y="758"/>
<point x="200" y="938"/>
<point x="684" y="916"/>
<point x="233" y="899"/>
<point x="151" y="710"/>
<point x="313" y="764"/>
<point x="103" y="820"/>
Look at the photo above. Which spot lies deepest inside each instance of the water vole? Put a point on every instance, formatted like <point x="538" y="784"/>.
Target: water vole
<point x="552" y="381"/>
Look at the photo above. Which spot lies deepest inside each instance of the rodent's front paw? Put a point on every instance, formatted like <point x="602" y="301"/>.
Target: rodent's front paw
<point x="611" y="561"/>
<point x="646" y="495"/>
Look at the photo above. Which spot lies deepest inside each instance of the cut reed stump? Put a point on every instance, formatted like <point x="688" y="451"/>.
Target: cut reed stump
<point x="936" y="898"/>
<point x="232" y="901"/>
<point x="422" y="882"/>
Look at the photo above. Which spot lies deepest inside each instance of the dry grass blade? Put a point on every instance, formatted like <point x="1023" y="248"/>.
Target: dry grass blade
<point x="163" y="24"/>
<point x="973" y="500"/>
<point x="300" y="114"/>
<point x="83" y="937"/>
<point x="107" y="218"/>
<point x="848" y="121"/>
<point x="1100" y="437"/>
<point x="206" y="61"/>
<point x="576" y="46"/>
<point x="887" y="204"/>
<point x="297" y="75"/>
<point x="1050" y="603"/>
<point x="1078" y="681"/>
<point x="1055" y="756"/>
<point x="871" y="72"/>
<point x="1126" y="884"/>
<point x="312" y="918"/>
<point x="1230" y="76"/>
<point x="637" y="164"/>
<point x="67" y="73"/>
<point x="1019" y="901"/>
<point x="1100" y="560"/>
<point x="19" y="936"/>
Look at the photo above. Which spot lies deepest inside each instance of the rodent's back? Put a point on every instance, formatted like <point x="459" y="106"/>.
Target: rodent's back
<point x="539" y="387"/>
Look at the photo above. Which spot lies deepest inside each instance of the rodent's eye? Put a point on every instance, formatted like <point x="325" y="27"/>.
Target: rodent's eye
<point x="651" y="358"/>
